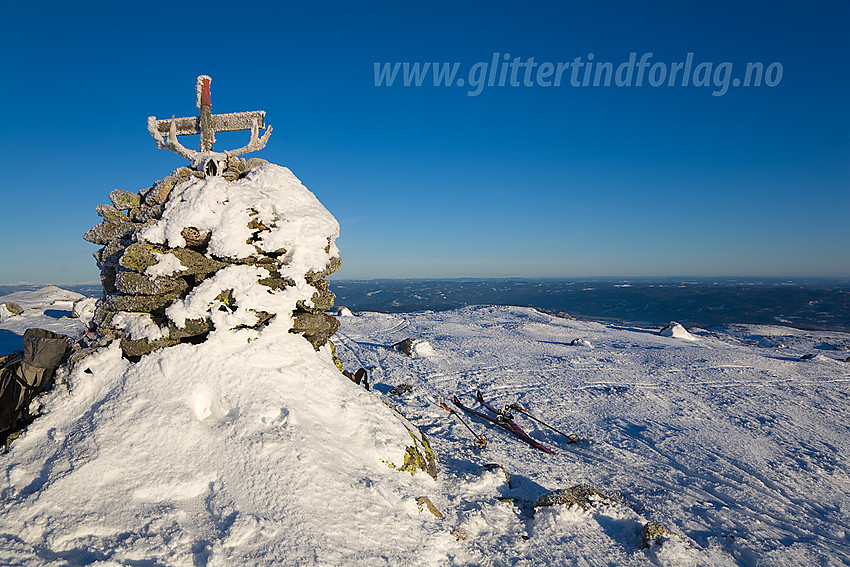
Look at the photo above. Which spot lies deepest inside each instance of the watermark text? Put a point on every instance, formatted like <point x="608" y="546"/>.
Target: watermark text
<point x="503" y="70"/>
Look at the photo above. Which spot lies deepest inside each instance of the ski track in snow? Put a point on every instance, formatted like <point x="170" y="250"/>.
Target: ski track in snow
<point x="729" y="440"/>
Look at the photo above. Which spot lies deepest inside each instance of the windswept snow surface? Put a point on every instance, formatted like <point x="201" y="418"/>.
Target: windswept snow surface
<point x="729" y="440"/>
<point x="260" y="453"/>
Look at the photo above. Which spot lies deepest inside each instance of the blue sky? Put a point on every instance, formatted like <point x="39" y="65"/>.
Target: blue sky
<point x="429" y="181"/>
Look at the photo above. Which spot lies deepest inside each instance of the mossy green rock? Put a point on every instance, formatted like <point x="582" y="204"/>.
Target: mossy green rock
<point x="140" y="256"/>
<point x="111" y="214"/>
<point x="124" y="200"/>
<point x="418" y="456"/>
<point x="12" y="307"/>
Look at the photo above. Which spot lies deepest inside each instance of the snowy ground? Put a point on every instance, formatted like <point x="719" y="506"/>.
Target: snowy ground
<point x="269" y="457"/>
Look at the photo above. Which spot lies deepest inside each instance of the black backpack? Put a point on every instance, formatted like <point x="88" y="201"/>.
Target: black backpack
<point x="24" y="374"/>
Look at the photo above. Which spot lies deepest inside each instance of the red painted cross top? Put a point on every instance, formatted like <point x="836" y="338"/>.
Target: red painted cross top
<point x="204" y="83"/>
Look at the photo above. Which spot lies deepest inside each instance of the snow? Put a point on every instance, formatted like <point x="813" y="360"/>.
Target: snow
<point x="84" y="309"/>
<point x="166" y="265"/>
<point x="422" y="349"/>
<point x="226" y="208"/>
<point x="220" y="450"/>
<point x="677" y="331"/>
<point x="137" y="325"/>
<point x="251" y="448"/>
<point x="288" y="220"/>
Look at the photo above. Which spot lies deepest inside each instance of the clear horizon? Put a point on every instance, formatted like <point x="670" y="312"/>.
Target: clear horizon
<point x="645" y="279"/>
<point x="523" y="165"/>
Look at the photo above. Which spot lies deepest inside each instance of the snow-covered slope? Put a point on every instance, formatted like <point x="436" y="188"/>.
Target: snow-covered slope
<point x="250" y="448"/>
<point x="220" y="454"/>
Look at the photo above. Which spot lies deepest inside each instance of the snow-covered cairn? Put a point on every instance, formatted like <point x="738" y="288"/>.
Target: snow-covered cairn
<point x="195" y="253"/>
<point x="227" y="244"/>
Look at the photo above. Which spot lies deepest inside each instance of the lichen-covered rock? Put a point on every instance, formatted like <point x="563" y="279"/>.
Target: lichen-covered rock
<point x="332" y="266"/>
<point x="195" y="262"/>
<point x="418" y="455"/>
<point x="195" y="238"/>
<point x="111" y="214"/>
<point x="582" y="495"/>
<point x="106" y="231"/>
<point x="324" y="298"/>
<point x="124" y="200"/>
<point x="159" y="193"/>
<point x="655" y="534"/>
<point x="140" y="256"/>
<point x="110" y="254"/>
<point x="130" y="282"/>
<point x="317" y="328"/>
<point x="107" y="279"/>
<point x="12" y="308"/>
<point x="139" y="303"/>
<point x="192" y="328"/>
<point x="140" y="347"/>
<point x="276" y="281"/>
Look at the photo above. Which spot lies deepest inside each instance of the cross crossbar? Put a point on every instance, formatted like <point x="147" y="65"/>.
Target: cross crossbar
<point x="232" y="122"/>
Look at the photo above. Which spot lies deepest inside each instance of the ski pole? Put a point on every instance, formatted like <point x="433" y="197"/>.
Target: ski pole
<point x="519" y="408"/>
<point x="480" y="440"/>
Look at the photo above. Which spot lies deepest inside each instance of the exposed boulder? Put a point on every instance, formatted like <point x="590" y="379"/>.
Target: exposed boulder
<point x="582" y="495"/>
<point x="316" y="327"/>
<point x="11" y="308"/>
<point x="656" y="534"/>
<point x="414" y="347"/>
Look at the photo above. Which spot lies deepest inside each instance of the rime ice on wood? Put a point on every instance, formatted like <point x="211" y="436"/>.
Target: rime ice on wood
<point x="207" y="124"/>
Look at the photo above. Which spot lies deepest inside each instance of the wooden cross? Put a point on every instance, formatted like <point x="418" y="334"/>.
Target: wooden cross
<point x="207" y="124"/>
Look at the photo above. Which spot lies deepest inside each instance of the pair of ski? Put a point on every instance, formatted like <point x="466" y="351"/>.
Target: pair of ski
<point x="505" y="420"/>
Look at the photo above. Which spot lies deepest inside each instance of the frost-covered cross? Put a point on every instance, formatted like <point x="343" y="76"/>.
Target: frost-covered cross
<point x="207" y="124"/>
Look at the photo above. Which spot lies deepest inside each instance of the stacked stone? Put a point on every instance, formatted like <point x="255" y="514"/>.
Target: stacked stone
<point x="130" y="287"/>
